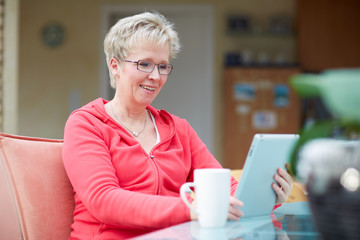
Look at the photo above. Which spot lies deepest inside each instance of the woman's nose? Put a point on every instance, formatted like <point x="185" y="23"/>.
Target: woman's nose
<point x="155" y="74"/>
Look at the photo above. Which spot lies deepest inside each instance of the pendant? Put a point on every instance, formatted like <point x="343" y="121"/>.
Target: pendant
<point x="135" y="134"/>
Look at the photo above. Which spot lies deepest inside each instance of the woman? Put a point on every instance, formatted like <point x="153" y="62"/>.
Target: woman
<point x="127" y="160"/>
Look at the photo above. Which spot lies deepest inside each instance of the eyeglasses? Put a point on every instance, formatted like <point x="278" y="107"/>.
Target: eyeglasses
<point x="148" y="67"/>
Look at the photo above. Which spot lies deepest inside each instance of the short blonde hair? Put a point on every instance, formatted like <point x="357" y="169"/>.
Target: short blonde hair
<point x="129" y="31"/>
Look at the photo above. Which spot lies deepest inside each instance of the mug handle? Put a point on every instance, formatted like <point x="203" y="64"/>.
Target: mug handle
<point x="184" y="198"/>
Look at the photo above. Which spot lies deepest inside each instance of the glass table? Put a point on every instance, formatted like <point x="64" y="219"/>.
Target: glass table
<point x="290" y="221"/>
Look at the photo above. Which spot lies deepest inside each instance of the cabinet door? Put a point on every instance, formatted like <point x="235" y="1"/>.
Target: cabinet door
<point x="257" y="100"/>
<point x="328" y="34"/>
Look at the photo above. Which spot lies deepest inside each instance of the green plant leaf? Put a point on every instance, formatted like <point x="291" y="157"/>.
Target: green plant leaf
<point x="306" y="85"/>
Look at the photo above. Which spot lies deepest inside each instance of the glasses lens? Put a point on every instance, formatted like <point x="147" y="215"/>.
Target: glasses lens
<point x="145" y="66"/>
<point x="165" y="69"/>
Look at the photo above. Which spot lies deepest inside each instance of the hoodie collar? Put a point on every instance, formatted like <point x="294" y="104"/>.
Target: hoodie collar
<point x="164" y="120"/>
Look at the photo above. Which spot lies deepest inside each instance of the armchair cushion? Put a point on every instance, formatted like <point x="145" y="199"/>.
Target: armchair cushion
<point x="43" y="195"/>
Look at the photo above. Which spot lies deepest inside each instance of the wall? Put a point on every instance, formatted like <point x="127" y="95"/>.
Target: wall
<point x="49" y="78"/>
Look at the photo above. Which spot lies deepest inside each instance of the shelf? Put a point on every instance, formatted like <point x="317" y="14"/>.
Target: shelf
<point x="260" y="34"/>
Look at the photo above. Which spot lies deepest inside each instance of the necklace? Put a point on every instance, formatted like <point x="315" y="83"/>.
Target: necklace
<point x="135" y="134"/>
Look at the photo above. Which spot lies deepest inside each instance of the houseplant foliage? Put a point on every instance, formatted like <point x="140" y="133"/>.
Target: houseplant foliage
<point x="327" y="155"/>
<point x="340" y="91"/>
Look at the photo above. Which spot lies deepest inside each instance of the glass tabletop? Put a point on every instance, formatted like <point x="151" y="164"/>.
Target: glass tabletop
<point x="290" y="221"/>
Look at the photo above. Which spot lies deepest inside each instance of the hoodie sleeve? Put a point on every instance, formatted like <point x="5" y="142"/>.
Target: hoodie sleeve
<point x="89" y="166"/>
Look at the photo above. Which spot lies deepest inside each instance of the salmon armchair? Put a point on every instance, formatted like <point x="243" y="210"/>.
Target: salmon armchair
<point x="36" y="197"/>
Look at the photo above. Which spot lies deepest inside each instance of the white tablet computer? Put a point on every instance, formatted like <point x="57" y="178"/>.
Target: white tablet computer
<point x="267" y="153"/>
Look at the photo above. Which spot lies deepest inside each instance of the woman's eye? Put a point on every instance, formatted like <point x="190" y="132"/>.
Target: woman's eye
<point x="163" y="66"/>
<point x="144" y="64"/>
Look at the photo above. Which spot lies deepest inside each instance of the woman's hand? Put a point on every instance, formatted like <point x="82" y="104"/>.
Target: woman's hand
<point x="233" y="214"/>
<point x="284" y="186"/>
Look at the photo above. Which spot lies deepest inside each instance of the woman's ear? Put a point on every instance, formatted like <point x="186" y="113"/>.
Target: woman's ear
<point x="114" y="66"/>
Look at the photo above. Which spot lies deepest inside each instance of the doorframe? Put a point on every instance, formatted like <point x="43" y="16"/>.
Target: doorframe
<point x="10" y="84"/>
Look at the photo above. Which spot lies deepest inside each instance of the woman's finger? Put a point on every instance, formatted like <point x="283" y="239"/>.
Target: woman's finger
<point x="235" y="202"/>
<point x="280" y="194"/>
<point x="285" y="180"/>
<point x="283" y="184"/>
<point x="234" y="212"/>
<point x="284" y="174"/>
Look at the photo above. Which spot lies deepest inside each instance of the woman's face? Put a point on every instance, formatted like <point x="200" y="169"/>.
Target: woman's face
<point x="139" y="88"/>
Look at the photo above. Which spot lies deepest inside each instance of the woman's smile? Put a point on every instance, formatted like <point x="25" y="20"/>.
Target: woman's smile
<point x="148" y="88"/>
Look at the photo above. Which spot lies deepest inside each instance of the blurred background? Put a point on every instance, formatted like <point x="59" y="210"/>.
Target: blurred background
<point x="229" y="81"/>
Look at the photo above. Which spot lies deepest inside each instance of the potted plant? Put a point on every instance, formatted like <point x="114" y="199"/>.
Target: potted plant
<point x="327" y="156"/>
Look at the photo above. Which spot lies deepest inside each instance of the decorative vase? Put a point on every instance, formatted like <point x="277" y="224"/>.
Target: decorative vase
<point x="330" y="170"/>
<point x="336" y="212"/>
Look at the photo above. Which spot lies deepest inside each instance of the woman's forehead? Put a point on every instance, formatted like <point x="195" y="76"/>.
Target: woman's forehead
<point x="150" y="48"/>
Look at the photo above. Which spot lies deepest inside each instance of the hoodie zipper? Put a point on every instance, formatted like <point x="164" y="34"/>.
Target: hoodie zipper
<point x="152" y="156"/>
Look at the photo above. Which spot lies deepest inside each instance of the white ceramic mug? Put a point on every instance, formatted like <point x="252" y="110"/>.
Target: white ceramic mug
<point x="212" y="196"/>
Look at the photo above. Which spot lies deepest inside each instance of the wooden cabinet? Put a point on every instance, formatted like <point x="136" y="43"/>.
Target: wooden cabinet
<point x="328" y="34"/>
<point x="257" y="100"/>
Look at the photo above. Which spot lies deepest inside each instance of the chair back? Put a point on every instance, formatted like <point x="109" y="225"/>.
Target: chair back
<point x="36" y="196"/>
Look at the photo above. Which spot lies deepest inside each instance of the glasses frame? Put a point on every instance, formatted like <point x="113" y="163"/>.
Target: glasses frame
<point x="168" y="66"/>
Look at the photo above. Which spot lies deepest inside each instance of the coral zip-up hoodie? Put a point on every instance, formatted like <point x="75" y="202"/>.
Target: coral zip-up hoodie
<point x="121" y="191"/>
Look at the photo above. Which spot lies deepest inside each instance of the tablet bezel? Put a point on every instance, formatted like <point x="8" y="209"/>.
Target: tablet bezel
<point x="267" y="153"/>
